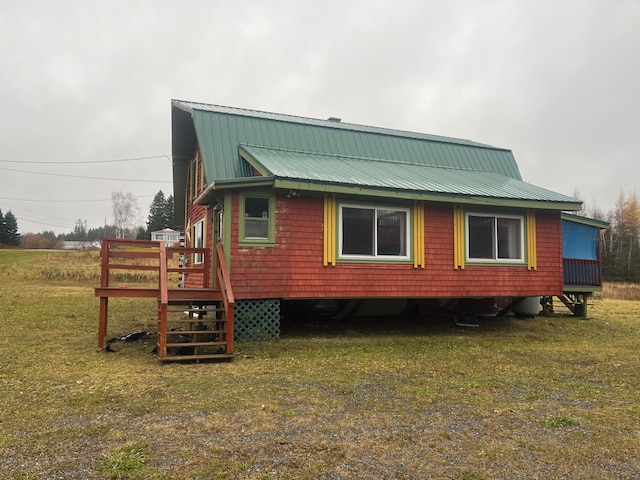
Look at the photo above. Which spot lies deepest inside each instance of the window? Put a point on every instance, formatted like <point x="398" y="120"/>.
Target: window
<point x="495" y="238"/>
<point x="198" y="241"/>
<point x="257" y="225"/>
<point x="375" y="232"/>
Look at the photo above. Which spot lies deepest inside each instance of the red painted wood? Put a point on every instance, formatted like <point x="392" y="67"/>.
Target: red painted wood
<point x="293" y="268"/>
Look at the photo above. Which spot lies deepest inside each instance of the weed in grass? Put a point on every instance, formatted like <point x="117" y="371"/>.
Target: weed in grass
<point x="559" y="421"/>
<point x="534" y="395"/>
<point x="123" y="463"/>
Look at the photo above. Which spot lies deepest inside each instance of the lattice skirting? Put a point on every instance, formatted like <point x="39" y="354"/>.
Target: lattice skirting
<point x="256" y="320"/>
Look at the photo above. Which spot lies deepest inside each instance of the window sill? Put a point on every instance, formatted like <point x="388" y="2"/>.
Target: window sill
<point x="256" y="243"/>
<point x="377" y="261"/>
<point x="476" y="263"/>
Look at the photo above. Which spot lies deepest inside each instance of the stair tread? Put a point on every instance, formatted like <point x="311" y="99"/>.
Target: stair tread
<point x="195" y="310"/>
<point x="196" y="320"/>
<point x="196" y="344"/>
<point x="194" y="332"/>
<point x="209" y="356"/>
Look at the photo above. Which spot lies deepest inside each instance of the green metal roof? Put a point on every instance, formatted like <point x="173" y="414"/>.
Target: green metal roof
<point x="395" y="176"/>
<point x="219" y="131"/>
<point x="325" y="153"/>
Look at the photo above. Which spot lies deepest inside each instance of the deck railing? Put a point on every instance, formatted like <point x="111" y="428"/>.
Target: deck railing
<point x="147" y="255"/>
<point x="578" y="271"/>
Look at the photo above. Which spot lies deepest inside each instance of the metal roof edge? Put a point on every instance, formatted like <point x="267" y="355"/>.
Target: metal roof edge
<point x="231" y="184"/>
<point x="425" y="196"/>
<point x="593" y="222"/>
<point x="189" y="106"/>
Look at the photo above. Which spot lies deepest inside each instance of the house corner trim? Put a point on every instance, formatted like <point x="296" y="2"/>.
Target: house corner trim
<point x="458" y="238"/>
<point x="329" y="257"/>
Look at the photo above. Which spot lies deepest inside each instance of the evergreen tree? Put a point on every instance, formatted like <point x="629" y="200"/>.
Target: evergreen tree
<point x="80" y="231"/>
<point x="3" y="229"/>
<point x="141" y="234"/>
<point x="169" y="217"/>
<point x="159" y="218"/>
<point x="11" y="235"/>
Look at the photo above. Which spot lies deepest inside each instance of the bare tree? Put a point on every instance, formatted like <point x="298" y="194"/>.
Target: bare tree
<point x="125" y="211"/>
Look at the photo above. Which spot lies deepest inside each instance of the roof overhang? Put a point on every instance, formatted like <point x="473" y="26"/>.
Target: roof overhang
<point x="219" y="186"/>
<point x="592" y="222"/>
<point x="303" y="171"/>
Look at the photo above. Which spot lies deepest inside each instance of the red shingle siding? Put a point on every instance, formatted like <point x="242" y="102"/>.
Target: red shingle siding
<point x="293" y="268"/>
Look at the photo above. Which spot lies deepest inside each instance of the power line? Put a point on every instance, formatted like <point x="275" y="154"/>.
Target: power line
<point x="56" y="162"/>
<point x="40" y="221"/>
<point x="87" y="177"/>
<point x="65" y="201"/>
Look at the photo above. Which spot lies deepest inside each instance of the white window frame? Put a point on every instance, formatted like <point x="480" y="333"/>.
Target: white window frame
<point x="376" y="256"/>
<point x="198" y="241"/>
<point x="495" y="216"/>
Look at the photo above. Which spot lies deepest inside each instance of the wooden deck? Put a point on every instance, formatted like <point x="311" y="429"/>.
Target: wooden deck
<point x="207" y="331"/>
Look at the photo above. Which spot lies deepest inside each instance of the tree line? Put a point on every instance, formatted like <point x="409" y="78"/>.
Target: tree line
<point x="621" y="241"/>
<point x="125" y="223"/>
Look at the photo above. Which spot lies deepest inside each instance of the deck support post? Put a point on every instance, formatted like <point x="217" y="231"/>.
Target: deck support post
<point x="162" y="329"/>
<point x="102" y="324"/>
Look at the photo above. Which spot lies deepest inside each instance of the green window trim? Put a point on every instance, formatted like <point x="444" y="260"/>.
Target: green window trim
<point x="257" y="220"/>
<point x="199" y="240"/>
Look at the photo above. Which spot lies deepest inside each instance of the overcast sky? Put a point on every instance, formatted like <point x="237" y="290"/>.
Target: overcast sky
<point x="557" y="82"/>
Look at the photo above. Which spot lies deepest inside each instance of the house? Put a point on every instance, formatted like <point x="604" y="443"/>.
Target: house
<point x="169" y="236"/>
<point x="80" y="245"/>
<point x="321" y="210"/>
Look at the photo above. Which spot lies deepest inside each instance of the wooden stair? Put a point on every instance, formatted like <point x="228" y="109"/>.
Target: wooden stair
<point x="194" y="324"/>
<point x="193" y="330"/>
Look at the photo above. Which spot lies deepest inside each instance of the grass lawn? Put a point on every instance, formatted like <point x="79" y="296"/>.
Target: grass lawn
<point x="544" y="398"/>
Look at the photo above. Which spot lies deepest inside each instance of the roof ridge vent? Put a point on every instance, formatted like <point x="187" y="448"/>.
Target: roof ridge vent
<point x="334" y="119"/>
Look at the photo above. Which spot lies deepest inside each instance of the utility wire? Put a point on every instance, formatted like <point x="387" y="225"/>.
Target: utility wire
<point x="87" y="177"/>
<point x="65" y="201"/>
<point x="55" y="162"/>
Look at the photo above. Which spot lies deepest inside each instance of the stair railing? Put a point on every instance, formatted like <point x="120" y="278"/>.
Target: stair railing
<point x="224" y="284"/>
<point x="163" y="303"/>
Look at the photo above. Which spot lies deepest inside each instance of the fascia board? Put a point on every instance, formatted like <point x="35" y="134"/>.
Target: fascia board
<point x="424" y="196"/>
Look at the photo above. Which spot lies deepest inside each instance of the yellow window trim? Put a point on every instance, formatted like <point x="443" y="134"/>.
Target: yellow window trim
<point x="418" y="235"/>
<point x="329" y="258"/>
<point x="458" y="238"/>
<point x="532" y="248"/>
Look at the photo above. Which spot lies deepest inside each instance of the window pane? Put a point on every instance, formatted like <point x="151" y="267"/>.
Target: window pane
<point x="357" y="231"/>
<point x="481" y="242"/>
<point x="198" y="241"/>
<point x="256" y="228"/>
<point x="256" y="207"/>
<point x="392" y="226"/>
<point x="509" y="238"/>
<point x="256" y="217"/>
